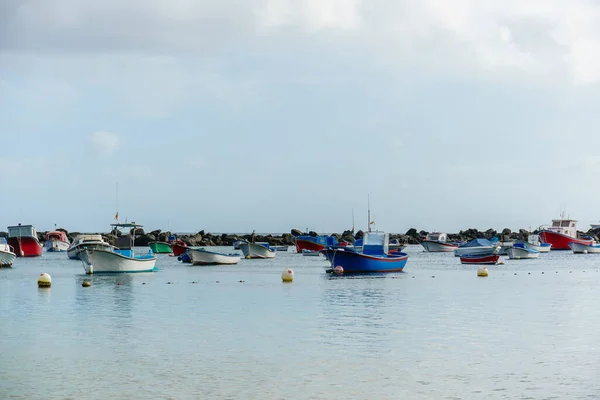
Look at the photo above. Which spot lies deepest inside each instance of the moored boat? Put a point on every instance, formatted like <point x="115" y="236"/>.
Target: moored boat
<point x="437" y="242"/>
<point x="519" y="251"/>
<point x="179" y="247"/>
<point x="7" y="254"/>
<point x="24" y="241"/>
<point x="309" y="253"/>
<point x="562" y="233"/>
<point x="123" y="259"/>
<point x="375" y="256"/>
<point x="257" y="250"/>
<point x="314" y="243"/>
<point x="479" y="259"/>
<point x="280" y="248"/>
<point x="86" y="241"/>
<point x="56" y="241"/>
<point x="160" y="247"/>
<point x="205" y="257"/>
<point x="579" y="248"/>
<point x="477" y="247"/>
<point x="533" y="242"/>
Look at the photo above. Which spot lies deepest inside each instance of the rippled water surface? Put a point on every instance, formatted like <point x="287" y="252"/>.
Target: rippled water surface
<point x="436" y="331"/>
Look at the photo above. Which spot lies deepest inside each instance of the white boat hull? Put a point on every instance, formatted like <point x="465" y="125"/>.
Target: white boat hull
<point x="438" y="247"/>
<point x="541" y="249"/>
<point x="95" y="261"/>
<point x="480" y="250"/>
<point x="7" y="258"/>
<point x="55" y="245"/>
<point x="253" y="250"/>
<point x="200" y="257"/>
<point x="579" y="248"/>
<point x="517" y="253"/>
<point x="74" y="250"/>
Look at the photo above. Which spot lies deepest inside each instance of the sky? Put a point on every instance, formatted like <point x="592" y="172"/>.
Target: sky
<point x="267" y="115"/>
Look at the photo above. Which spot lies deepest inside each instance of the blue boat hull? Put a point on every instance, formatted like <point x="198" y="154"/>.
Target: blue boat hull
<point x="354" y="262"/>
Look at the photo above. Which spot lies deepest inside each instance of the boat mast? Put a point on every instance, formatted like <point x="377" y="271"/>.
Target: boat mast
<point x="369" y="212"/>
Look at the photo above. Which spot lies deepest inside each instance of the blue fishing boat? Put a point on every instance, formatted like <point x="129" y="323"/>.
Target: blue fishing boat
<point x="375" y="256"/>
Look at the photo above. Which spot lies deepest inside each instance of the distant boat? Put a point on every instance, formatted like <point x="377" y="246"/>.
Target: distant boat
<point x="205" y="257"/>
<point x="7" y="254"/>
<point x="160" y="247"/>
<point x="257" y="250"/>
<point x="520" y="252"/>
<point x="314" y="243"/>
<point x="479" y="259"/>
<point x="533" y="242"/>
<point x="122" y="259"/>
<point x="375" y="256"/>
<point x="306" y="252"/>
<point x="437" y="242"/>
<point x="477" y="247"/>
<point x="56" y="241"/>
<point x="579" y="248"/>
<point x="562" y="233"/>
<point x="595" y="226"/>
<point x="179" y="247"/>
<point x="237" y="243"/>
<point x="86" y="241"/>
<point x="505" y="246"/>
<point x="23" y="238"/>
<point x="280" y="248"/>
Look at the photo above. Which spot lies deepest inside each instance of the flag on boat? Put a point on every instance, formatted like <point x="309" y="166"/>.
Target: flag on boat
<point x="372" y="222"/>
<point x="117" y="216"/>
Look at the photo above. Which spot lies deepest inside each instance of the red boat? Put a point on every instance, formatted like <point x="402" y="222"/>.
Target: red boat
<point x="561" y="233"/>
<point x="23" y="238"/>
<point x="179" y="247"/>
<point x="479" y="259"/>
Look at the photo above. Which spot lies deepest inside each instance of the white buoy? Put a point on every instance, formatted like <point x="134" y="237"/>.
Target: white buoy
<point x="482" y="271"/>
<point x="287" y="275"/>
<point x="44" y="280"/>
<point x="338" y="270"/>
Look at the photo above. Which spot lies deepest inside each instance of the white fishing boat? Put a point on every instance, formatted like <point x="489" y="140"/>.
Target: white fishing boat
<point x="280" y="248"/>
<point x="579" y="248"/>
<point x="205" y="257"/>
<point x="533" y="242"/>
<point x="477" y="247"/>
<point x="257" y="250"/>
<point x="237" y="243"/>
<point x="56" y="241"/>
<point x="519" y="252"/>
<point x="92" y="242"/>
<point x="308" y="253"/>
<point x="437" y="242"/>
<point x="7" y="253"/>
<point x="122" y="259"/>
<point x="505" y="247"/>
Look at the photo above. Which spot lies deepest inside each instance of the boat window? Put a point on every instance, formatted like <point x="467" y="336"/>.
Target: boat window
<point x="555" y="223"/>
<point x="565" y="223"/>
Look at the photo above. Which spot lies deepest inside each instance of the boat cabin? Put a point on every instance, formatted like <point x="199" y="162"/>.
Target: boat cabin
<point x="127" y="240"/>
<point x="437" y="237"/>
<point x="22" y="231"/>
<point x="375" y="243"/>
<point x="565" y="226"/>
<point x="57" y="235"/>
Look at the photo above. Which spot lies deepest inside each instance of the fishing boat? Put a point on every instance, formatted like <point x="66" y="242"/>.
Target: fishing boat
<point x="56" y="241"/>
<point x="477" y="247"/>
<point x="179" y="247"/>
<point x="280" y="248"/>
<point x="160" y="247"/>
<point x="186" y="258"/>
<point x="562" y="233"/>
<point x="121" y="259"/>
<point x="237" y="243"/>
<point x="314" y="243"/>
<point x="533" y="242"/>
<point x="437" y="242"/>
<point x="24" y="241"/>
<point x="86" y="241"/>
<point x="205" y="257"/>
<point x="309" y="253"/>
<point x="479" y="259"/>
<point x="375" y="256"/>
<point x="505" y="246"/>
<point x="519" y="251"/>
<point x="7" y="254"/>
<point x="579" y="248"/>
<point x="257" y="250"/>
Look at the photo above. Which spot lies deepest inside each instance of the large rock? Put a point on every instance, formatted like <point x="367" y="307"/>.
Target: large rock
<point x="296" y="232"/>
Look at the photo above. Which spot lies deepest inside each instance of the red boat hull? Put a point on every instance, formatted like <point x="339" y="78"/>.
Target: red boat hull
<point x="179" y="247"/>
<point x="305" y="244"/>
<point x="491" y="259"/>
<point x="25" y="246"/>
<point x="560" y="241"/>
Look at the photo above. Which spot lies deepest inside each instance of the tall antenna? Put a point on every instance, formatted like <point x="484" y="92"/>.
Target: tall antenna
<point x="369" y="212"/>
<point x="353" y="221"/>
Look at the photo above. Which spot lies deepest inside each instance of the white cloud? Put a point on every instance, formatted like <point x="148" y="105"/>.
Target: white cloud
<point x="104" y="143"/>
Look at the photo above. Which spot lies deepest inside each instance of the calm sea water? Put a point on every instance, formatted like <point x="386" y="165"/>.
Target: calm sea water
<point x="436" y="331"/>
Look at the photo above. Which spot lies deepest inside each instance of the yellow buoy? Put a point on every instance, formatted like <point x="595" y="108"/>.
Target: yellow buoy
<point x="482" y="271"/>
<point x="287" y="275"/>
<point x="44" y="280"/>
<point x="86" y="284"/>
